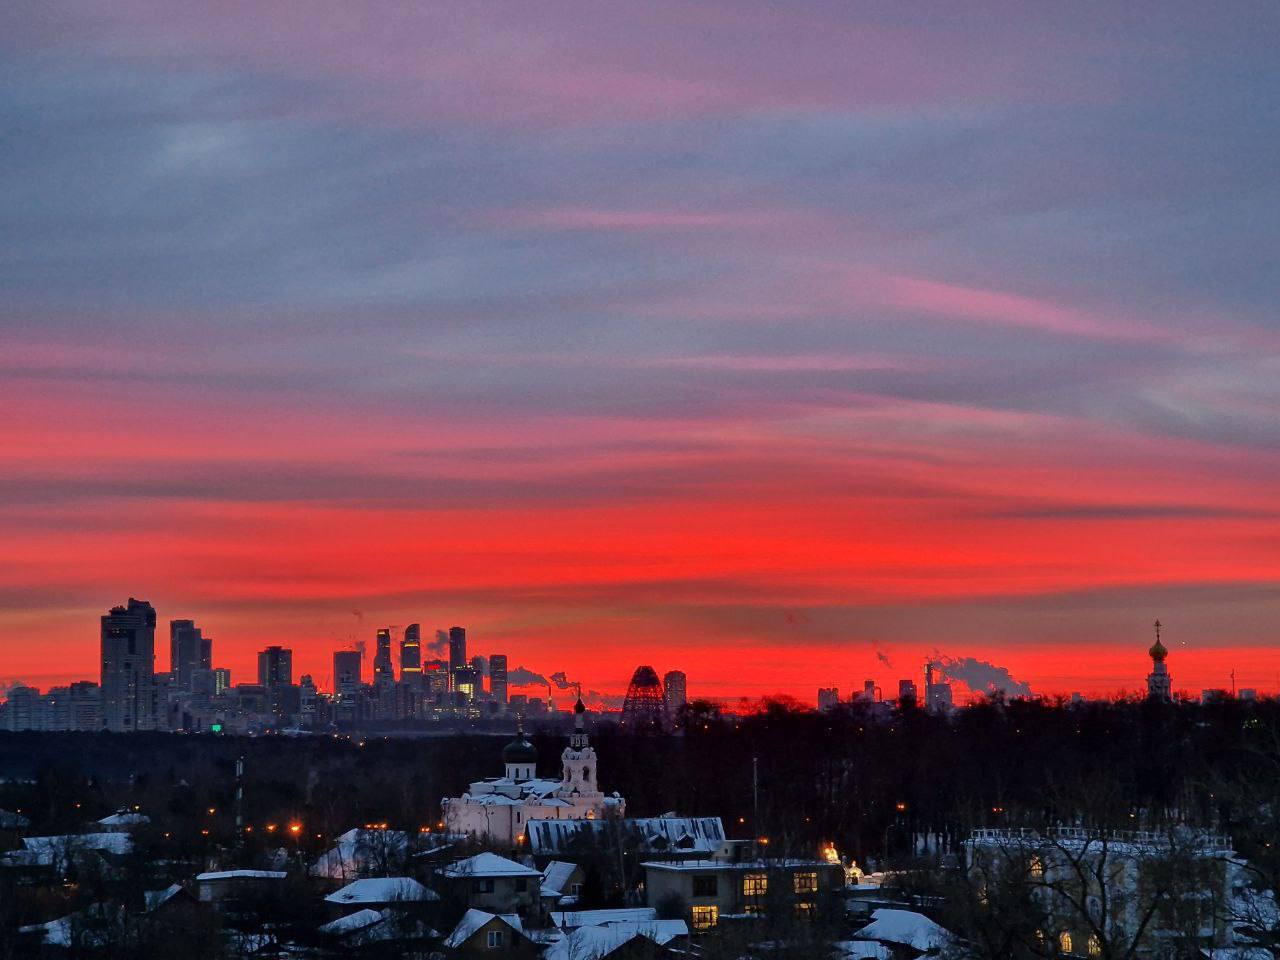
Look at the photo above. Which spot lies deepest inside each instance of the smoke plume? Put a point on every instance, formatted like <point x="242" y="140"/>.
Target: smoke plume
<point x="983" y="677"/>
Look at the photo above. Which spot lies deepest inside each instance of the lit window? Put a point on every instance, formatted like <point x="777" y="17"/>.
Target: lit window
<point x="755" y="885"/>
<point x="704" y="917"/>
<point x="1064" y="941"/>
<point x="1095" y="945"/>
<point x="806" y="882"/>
<point x="805" y="910"/>
<point x="1037" y="867"/>
<point x="495" y="939"/>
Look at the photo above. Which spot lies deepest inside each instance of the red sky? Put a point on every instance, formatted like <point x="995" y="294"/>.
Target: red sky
<point x="784" y="346"/>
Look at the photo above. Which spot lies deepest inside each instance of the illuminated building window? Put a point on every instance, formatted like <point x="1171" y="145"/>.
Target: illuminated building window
<point x="806" y="883"/>
<point x="806" y="910"/>
<point x="1037" y="867"/>
<point x="755" y="885"/>
<point x="705" y="917"/>
<point x="1064" y="941"/>
<point x="1095" y="945"/>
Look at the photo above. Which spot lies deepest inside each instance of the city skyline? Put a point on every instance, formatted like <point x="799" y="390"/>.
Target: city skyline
<point x="785" y="345"/>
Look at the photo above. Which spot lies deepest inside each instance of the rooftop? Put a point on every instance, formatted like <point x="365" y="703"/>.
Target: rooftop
<point x="488" y="865"/>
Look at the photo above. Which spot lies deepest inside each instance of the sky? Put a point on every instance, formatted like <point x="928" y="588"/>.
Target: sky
<point x="787" y="344"/>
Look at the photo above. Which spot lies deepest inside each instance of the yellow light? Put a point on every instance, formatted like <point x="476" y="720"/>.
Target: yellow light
<point x="900" y="806"/>
<point x="212" y="810"/>
<point x="204" y="833"/>
<point x="764" y="841"/>
<point x="295" y="828"/>
<point x="271" y="828"/>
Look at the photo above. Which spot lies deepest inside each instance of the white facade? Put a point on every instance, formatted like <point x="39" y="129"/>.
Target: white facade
<point x="497" y="809"/>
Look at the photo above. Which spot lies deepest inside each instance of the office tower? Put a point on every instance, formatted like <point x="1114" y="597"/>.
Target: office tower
<point x="828" y="698"/>
<point x="128" y="667"/>
<point x="435" y="680"/>
<point x="221" y="680"/>
<point x="189" y="651"/>
<point x="275" y="667"/>
<point x="457" y="649"/>
<point x="347" y="665"/>
<point x="308" y="701"/>
<point x="674" y="688"/>
<point x="498" y="678"/>
<point x="411" y="654"/>
<point x="468" y="684"/>
<point x="383" y="669"/>
<point x="907" y="690"/>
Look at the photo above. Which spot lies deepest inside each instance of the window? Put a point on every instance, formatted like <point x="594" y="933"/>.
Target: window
<point x="1036" y="867"/>
<point x="1064" y="941"/>
<point x="755" y="885"/>
<point x="806" y="883"/>
<point x="586" y="773"/>
<point x="705" y="917"/>
<point x="806" y="910"/>
<point x="1095" y="945"/>
<point x="483" y="886"/>
<point x="704" y="885"/>
<point x="495" y="939"/>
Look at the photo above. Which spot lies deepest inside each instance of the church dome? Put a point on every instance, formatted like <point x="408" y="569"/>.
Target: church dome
<point x="1158" y="651"/>
<point x="579" y="707"/>
<point x="520" y="750"/>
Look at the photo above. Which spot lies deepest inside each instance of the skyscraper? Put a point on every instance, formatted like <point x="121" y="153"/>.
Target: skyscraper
<point x="189" y="651"/>
<point x="128" y="667"/>
<point x="498" y="677"/>
<point x="674" y="687"/>
<point x="275" y="667"/>
<point x="457" y="649"/>
<point x="347" y="665"/>
<point x="383" y="668"/>
<point x="221" y="680"/>
<point x="411" y="654"/>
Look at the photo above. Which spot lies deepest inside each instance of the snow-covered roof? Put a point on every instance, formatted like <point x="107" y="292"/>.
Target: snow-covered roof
<point x="62" y="932"/>
<point x="599" y="918"/>
<point x="473" y="920"/>
<point x="158" y="898"/>
<point x="488" y="865"/>
<point x="382" y="890"/>
<point x="44" y="851"/>
<point x="702" y="866"/>
<point x="214" y="875"/>
<point x="861" y="950"/>
<point x="124" y="818"/>
<point x="360" y="851"/>
<point x="693" y="835"/>
<point x="555" y="876"/>
<point x="592" y="943"/>
<point x="905" y="927"/>
<point x="352" y="921"/>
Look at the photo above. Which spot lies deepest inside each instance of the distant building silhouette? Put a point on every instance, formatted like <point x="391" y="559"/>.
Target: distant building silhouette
<point x="411" y="654"/>
<point x="457" y="651"/>
<point x="1159" y="683"/>
<point x="645" y="705"/>
<point x="347" y="665"/>
<point x="383" y="668"/>
<point x="129" y="695"/>
<point x="907" y="691"/>
<point x="189" y="652"/>
<point x="498" y="678"/>
<point x="828" y="698"/>
<point x="675" y="689"/>
<point x="275" y="667"/>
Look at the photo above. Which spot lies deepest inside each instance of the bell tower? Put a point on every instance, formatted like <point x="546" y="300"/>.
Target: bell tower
<point x="579" y="759"/>
<point x="1159" y="683"/>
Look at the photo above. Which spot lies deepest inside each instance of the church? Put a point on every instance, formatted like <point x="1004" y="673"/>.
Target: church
<point x="498" y="808"/>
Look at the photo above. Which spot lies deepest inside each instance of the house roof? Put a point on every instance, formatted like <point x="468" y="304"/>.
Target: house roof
<point x="382" y="890"/>
<point x="704" y="866"/>
<point x="351" y="922"/>
<point x="906" y="928"/>
<point x="556" y="875"/>
<point x="488" y="865"/>
<point x="861" y="950"/>
<point x="158" y="898"/>
<point x="692" y="835"/>
<point x="124" y="818"/>
<point x="359" y="850"/>
<point x="241" y="875"/>
<point x="473" y="920"/>
<point x="600" y="918"/>
<point x="594" y="943"/>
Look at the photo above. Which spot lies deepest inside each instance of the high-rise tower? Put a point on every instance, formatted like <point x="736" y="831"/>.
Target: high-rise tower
<point x="128" y="667"/>
<point x="189" y="651"/>
<point x="675" y="689"/>
<point x="498" y="678"/>
<point x="411" y="654"/>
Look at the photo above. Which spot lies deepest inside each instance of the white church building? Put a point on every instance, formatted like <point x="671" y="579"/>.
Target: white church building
<point x="498" y="808"/>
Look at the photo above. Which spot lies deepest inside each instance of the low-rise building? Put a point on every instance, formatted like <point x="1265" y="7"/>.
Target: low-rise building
<point x="707" y="891"/>
<point x="488" y="934"/>
<point x="493" y="884"/>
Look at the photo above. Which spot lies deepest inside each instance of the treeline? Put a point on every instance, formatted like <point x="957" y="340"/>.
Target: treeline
<point x="867" y="778"/>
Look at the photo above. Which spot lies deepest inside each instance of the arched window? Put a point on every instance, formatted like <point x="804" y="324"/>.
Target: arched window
<point x="1064" y="941"/>
<point x="1036" y="866"/>
<point x="586" y="773"/>
<point x="1095" y="945"/>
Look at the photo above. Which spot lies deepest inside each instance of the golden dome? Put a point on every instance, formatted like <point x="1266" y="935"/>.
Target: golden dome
<point x="1158" y="651"/>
